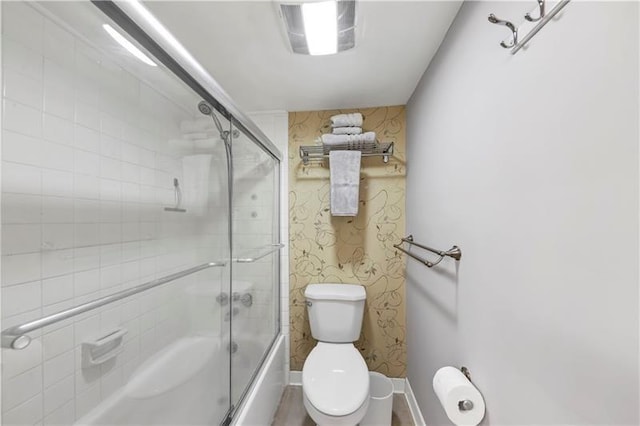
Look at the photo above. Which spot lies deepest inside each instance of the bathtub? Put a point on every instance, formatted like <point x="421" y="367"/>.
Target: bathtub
<point x="186" y="383"/>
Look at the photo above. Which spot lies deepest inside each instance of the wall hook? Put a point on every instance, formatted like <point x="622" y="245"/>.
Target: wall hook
<point x="528" y="16"/>
<point x="514" y="31"/>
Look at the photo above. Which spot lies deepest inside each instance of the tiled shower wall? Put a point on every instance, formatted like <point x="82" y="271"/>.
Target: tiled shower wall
<point x="86" y="170"/>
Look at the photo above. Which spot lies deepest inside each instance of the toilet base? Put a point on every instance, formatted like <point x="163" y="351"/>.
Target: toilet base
<point x="323" y="419"/>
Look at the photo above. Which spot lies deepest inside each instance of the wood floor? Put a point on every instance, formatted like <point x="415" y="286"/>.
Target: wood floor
<point x="291" y="410"/>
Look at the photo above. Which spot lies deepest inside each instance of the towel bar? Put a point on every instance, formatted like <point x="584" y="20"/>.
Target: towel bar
<point x="16" y="337"/>
<point x="453" y="252"/>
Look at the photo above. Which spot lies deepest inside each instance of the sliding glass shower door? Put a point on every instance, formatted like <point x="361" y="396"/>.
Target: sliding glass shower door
<point x="140" y="224"/>
<point x="256" y="254"/>
<point x="115" y="230"/>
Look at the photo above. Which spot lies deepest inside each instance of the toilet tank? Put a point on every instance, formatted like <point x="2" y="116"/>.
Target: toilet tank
<point x="335" y="311"/>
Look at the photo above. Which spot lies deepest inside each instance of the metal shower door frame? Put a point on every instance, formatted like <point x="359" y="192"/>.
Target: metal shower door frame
<point x="141" y="25"/>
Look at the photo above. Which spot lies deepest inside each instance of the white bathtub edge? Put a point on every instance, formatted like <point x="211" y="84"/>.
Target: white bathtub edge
<point x="261" y="402"/>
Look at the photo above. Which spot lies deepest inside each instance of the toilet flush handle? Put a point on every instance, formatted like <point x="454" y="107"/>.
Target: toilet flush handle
<point x="308" y="303"/>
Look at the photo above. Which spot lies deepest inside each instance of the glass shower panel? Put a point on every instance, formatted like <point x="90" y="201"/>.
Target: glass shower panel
<point x="111" y="179"/>
<point x="256" y="258"/>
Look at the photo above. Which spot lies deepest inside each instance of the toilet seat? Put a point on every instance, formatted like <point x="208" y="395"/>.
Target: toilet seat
<point x="335" y="379"/>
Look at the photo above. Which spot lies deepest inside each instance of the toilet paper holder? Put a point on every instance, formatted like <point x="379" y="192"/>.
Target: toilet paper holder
<point x="465" y="405"/>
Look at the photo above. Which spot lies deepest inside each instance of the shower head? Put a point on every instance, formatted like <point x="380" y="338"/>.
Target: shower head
<point x="205" y="108"/>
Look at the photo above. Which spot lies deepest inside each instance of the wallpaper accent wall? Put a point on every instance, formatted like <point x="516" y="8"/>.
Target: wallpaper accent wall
<point x="359" y="250"/>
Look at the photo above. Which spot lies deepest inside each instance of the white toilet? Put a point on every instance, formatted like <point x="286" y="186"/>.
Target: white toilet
<point x="335" y="379"/>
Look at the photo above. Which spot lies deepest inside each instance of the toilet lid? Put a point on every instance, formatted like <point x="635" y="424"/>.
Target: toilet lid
<point x="335" y="378"/>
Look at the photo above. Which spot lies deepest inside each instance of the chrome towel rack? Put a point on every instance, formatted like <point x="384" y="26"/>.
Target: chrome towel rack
<point x="16" y="337"/>
<point x="320" y="152"/>
<point x="453" y="252"/>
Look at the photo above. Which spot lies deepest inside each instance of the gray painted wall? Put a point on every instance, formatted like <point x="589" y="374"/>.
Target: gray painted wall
<point x="530" y="164"/>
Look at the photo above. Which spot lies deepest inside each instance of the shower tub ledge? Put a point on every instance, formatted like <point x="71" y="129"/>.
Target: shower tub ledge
<point x="186" y="384"/>
<point x="175" y="386"/>
<point x="260" y="404"/>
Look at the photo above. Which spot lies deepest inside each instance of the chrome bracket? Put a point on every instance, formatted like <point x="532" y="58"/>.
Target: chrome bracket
<point x="246" y="299"/>
<point x="222" y="299"/>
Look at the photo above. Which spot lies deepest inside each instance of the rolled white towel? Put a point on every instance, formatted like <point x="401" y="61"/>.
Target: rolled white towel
<point x="330" y="139"/>
<point x="347" y="130"/>
<point x="347" y="120"/>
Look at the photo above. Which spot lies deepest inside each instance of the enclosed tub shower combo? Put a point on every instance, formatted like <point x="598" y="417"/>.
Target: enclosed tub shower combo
<point x="140" y="254"/>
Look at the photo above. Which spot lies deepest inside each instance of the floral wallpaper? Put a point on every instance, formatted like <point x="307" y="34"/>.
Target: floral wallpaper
<point x="358" y="250"/>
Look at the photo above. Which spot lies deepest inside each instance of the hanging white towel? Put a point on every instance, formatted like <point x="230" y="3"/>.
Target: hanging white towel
<point x="347" y="120"/>
<point x="344" y="167"/>
<point x="195" y="184"/>
<point x="347" y="130"/>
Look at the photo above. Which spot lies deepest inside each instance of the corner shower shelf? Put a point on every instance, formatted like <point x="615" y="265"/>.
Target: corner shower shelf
<point x="320" y="152"/>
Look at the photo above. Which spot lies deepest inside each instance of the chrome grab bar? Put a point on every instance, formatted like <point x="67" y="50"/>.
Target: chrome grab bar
<point x="272" y="248"/>
<point x="453" y="252"/>
<point x="16" y="337"/>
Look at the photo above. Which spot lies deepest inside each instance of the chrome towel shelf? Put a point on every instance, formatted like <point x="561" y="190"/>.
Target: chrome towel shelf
<point x="16" y="337"/>
<point x="453" y="252"/>
<point x="319" y="152"/>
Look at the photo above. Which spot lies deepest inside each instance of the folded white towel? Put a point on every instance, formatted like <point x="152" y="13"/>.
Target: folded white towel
<point x="347" y="120"/>
<point x="190" y="144"/>
<point x="195" y="136"/>
<point x="330" y="139"/>
<point x="347" y="130"/>
<point x="203" y="124"/>
<point x="344" y="169"/>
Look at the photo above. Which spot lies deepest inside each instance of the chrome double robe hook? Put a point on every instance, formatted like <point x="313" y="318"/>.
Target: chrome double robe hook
<point x="514" y="31"/>
<point x="528" y="16"/>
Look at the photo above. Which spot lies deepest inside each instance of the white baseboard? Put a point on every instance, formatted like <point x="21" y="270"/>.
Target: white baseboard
<point x="413" y="405"/>
<point x="295" y="378"/>
<point x="399" y="386"/>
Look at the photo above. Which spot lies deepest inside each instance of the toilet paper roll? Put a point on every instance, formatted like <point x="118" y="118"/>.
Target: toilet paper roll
<point x="453" y="389"/>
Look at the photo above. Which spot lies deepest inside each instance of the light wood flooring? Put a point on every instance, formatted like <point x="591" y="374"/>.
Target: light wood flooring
<point x="291" y="410"/>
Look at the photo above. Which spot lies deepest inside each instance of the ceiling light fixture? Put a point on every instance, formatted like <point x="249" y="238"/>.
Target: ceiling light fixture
<point x="320" y="27"/>
<point x="122" y="41"/>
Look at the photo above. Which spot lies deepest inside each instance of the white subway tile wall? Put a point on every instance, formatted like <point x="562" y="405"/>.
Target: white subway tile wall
<point x="87" y="168"/>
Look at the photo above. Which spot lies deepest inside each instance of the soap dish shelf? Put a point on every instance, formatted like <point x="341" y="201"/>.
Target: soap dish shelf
<point x="102" y="349"/>
<point x="320" y="152"/>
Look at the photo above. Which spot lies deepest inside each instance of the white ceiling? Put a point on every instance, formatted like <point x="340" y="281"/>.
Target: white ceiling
<point x="244" y="47"/>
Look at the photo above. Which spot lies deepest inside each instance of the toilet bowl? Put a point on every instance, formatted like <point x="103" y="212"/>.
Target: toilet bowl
<point x="335" y="378"/>
<point x="335" y="383"/>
